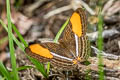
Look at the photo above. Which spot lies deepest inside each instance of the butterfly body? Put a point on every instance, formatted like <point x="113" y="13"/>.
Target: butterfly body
<point x="72" y="48"/>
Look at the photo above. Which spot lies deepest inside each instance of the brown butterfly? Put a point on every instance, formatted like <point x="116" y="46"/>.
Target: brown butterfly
<point x="72" y="48"/>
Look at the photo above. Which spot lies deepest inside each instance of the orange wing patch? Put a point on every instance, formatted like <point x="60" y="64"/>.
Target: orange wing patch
<point x="37" y="49"/>
<point x="76" y="24"/>
<point x="74" y="61"/>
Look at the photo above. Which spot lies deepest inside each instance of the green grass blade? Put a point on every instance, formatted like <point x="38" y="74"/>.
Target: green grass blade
<point x="19" y="35"/>
<point x="11" y="45"/>
<point x="14" y="38"/>
<point x="39" y="66"/>
<point x="4" y="71"/>
<point x="24" y="67"/>
<point x="100" y="45"/>
<point x="48" y="67"/>
<point x="60" y="31"/>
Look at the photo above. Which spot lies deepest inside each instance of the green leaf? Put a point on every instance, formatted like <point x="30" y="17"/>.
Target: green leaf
<point x="60" y="31"/>
<point x="39" y="66"/>
<point x="19" y="35"/>
<point x="4" y="71"/>
<point x="11" y="44"/>
<point x="100" y="43"/>
<point x="24" y="67"/>
<point x="14" y="38"/>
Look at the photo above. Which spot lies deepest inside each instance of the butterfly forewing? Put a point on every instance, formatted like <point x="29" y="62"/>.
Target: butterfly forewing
<point x="77" y="43"/>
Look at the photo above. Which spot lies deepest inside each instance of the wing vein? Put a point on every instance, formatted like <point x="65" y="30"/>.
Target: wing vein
<point x="76" y="42"/>
<point x="61" y="56"/>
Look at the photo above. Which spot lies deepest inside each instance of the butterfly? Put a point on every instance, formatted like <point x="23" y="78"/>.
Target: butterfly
<point x="72" y="48"/>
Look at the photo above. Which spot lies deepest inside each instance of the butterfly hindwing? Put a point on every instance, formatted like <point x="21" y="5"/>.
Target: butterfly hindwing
<point x="62" y="57"/>
<point x="58" y="54"/>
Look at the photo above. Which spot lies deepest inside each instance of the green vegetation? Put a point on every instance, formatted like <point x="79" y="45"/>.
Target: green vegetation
<point x="100" y="43"/>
